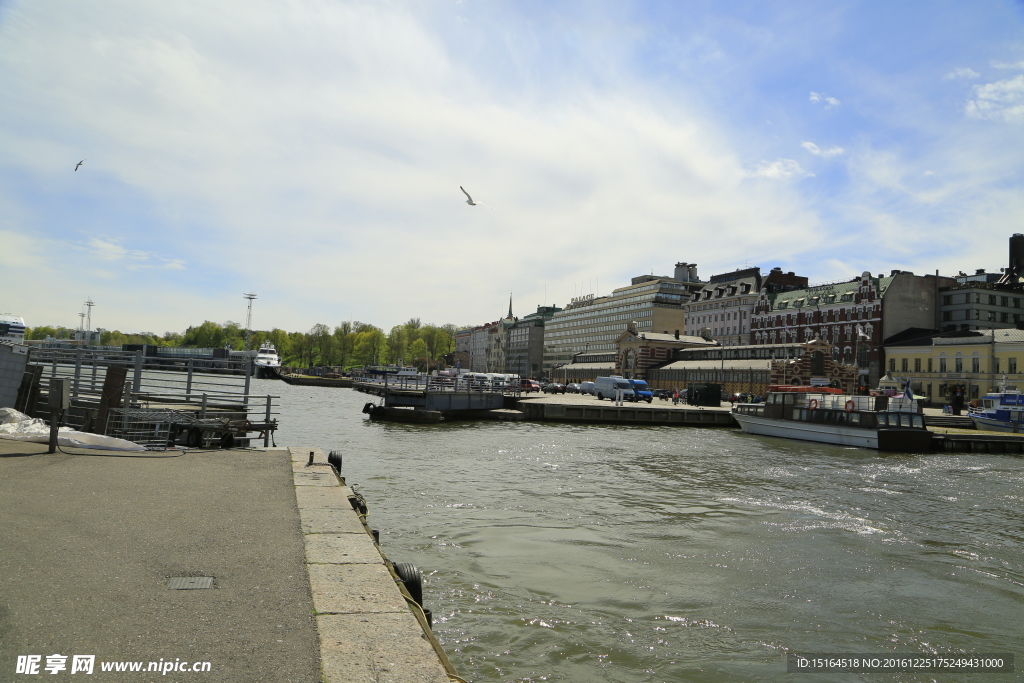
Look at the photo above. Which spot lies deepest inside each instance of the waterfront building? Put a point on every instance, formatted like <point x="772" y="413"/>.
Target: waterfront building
<point x="986" y="300"/>
<point x="479" y="347"/>
<point x="722" y="308"/>
<point x="589" y="324"/>
<point x="638" y="351"/>
<point x="524" y="347"/>
<point x="854" y="316"/>
<point x="976" y="361"/>
<point x="751" y="369"/>
<point x="461" y="357"/>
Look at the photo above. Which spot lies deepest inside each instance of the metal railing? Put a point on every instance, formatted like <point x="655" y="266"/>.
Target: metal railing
<point x="440" y="384"/>
<point x="152" y="400"/>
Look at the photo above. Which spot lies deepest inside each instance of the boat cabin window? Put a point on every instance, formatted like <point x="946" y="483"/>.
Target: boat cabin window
<point x="883" y="419"/>
<point x="854" y="419"/>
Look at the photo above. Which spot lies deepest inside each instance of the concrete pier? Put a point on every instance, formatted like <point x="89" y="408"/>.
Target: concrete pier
<point x="586" y="408"/>
<point x="248" y="562"/>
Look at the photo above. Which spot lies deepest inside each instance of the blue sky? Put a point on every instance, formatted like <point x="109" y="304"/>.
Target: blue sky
<point x="312" y="151"/>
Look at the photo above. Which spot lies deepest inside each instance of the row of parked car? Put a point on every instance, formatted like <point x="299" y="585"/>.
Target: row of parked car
<point x="603" y="387"/>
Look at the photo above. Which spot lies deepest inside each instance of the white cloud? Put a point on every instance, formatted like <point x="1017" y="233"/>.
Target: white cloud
<point x="961" y="72"/>
<point x="1016" y="66"/>
<point x="817" y="151"/>
<point x="780" y="169"/>
<point x="829" y="101"/>
<point x="998" y="101"/>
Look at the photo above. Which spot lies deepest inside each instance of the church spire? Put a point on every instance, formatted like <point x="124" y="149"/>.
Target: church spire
<point x="510" y="304"/>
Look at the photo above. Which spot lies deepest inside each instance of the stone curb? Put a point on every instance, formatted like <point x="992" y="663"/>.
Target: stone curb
<point x="366" y="628"/>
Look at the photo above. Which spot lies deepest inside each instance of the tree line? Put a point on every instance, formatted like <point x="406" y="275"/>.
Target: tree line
<point x="352" y="343"/>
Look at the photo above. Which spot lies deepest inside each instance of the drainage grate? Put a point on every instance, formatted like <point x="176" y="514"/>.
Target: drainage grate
<point x="186" y="582"/>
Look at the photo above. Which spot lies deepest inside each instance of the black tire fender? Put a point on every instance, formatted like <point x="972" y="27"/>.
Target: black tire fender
<point x="412" y="578"/>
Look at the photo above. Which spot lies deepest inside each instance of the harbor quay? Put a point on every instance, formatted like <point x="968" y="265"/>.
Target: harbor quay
<point x="219" y="565"/>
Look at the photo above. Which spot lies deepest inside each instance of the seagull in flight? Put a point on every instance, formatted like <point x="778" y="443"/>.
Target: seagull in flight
<point x="469" y="200"/>
<point x="79" y="164"/>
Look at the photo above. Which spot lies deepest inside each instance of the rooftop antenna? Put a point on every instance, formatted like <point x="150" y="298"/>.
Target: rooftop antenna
<point x="248" y="318"/>
<point x="81" y="322"/>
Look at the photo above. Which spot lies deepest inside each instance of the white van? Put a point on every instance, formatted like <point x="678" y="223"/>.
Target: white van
<point x="605" y="387"/>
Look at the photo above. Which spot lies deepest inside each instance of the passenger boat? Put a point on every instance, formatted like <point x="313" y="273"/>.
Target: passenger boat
<point x="12" y="328"/>
<point x="267" y="363"/>
<point x="826" y="415"/>
<point x="1001" y="411"/>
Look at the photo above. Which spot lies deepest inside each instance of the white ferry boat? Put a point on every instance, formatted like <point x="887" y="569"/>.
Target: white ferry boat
<point x="1001" y="411"/>
<point x="12" y="328"/>
<point x="267" y="363"/>
<point x="827" y="415"/>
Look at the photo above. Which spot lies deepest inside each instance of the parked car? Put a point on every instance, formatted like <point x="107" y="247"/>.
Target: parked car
<point x="528" y="385"/>
<point x="554" y="388"/>
<point x="663" y="394"/>
<point x="572" y="388"/>
<point x="588" y="388"/>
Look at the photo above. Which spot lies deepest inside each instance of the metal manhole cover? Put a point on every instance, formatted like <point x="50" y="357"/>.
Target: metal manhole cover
<point x="186" y="582"/>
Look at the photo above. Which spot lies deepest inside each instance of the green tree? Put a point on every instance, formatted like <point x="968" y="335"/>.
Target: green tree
<point x="397" y="345"/>
<point x="371" y="347"/>
<point x="418" y="351"/>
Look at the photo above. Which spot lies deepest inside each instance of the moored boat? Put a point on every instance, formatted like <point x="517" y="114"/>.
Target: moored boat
<point x="827" y="415"/>
<point x="1001" y="411"/>
<point x="266" y="364"/>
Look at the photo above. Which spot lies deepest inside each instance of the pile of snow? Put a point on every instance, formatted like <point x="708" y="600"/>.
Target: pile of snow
<point x="20" y="427"/>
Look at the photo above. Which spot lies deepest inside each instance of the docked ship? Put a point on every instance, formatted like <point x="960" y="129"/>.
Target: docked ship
<point x="1001" y="411"/>
<point x="826" y="415"/>
<point x="266" y="364"/>
<point x="12" y="328"/>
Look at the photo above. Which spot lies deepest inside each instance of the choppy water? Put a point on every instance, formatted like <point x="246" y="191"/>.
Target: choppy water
<point x="566" y="553"/>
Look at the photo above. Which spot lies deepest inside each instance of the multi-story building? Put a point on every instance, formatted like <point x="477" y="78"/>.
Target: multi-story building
<point x="975" y="361"/>
<point x="589" y="324"/>
<point x="854" y="316"/>
<point x="986" y="301"/>
<point x="722" y="308"/>
<point x="524" y="347"/>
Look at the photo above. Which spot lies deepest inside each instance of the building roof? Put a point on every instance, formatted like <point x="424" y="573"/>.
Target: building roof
<point x="963" y="337"/>
<point x="821" y="295"/>
<point x="669" y="338"/>
<point x="583" y="366"/>
<point x="742" y="364"/>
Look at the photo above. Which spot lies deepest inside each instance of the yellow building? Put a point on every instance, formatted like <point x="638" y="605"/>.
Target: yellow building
<point x="978" y="361"/>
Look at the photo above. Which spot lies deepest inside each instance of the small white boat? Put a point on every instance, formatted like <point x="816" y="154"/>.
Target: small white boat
<point x="267" y="363"/>
<point x="828" y="416"/>
<point x="1001" y="411"/>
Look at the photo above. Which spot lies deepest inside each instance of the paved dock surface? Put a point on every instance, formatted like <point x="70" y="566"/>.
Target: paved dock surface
<point x="89" y="542"/>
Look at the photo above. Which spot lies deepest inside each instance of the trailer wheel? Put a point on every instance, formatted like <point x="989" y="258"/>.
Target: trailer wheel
<point x="227" y="440"/>
<point x="194" y="438"/>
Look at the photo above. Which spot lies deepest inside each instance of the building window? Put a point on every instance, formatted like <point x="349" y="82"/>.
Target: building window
<point x="929" y="365"/>
<point x="958" y="363"/>
<point x="942" y="364"/>
<point x="997" y="366"/>
<point x="917" y="365"/>
<point x="1011" y="365"/>
<point x="892" y="365"/>
<point x="991" y="316"/>
<point x="947" y="315"/>
<point x="947" y="300"/>
<point x="975" y="364"/>
<point x="904" y="365"/>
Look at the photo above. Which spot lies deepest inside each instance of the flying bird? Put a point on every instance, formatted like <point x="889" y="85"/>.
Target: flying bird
<point x="79" y="164"/>
<point x="469" y="200"/>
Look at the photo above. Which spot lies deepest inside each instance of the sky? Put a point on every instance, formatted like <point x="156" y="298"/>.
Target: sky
<point x="312" y="151"/>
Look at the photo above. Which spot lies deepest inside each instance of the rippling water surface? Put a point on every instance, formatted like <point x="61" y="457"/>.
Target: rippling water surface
<point x="589" y="553"/>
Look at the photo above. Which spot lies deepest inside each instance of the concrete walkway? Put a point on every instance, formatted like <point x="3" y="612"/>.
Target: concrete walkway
<point x="299" y="592"/>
